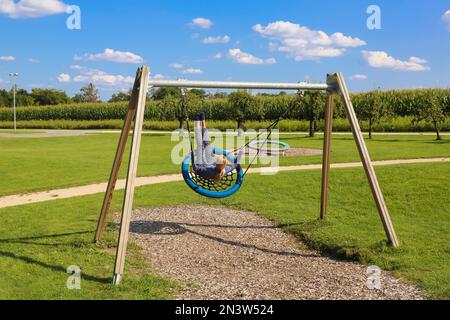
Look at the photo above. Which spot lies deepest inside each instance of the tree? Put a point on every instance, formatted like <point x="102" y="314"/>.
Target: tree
<point x="242" y="106"/>
<point x="45" y="97"/>
<point x="161" y="93"/>
<point x="198" y="92"/>
<point x="311" y="105"/>
<point x="432" y="109"/>
<point x="217" y="95"/>
<point x="370" y="107"/>
<point x="23" y="98"/>
<point x="120" y="96"/>
<point x="87" y="93"/>
<point x="4" y="98"/>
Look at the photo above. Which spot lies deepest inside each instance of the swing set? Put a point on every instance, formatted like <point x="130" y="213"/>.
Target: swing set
<point x="231" y="182"/>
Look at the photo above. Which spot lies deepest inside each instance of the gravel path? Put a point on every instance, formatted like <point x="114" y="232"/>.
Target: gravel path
<point x="225" y="254"/>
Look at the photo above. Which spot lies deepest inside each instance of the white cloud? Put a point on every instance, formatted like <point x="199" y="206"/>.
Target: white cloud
<point x="32" y="8"/>
<point x="380" y="59"/>
<point x="32" y="60"/>
<point x="218" y="55"/>
<point x="158" y="76"/>
<point x="112" y="80"/>
<point x="111" y="55"/>
<point x="97" y="77"/>
<point x="192" y="71"/>
<point x="418" y="60"/>
<point x="358" y="77"/>
<point x="246" y="58"/>
<point x="176" y="66"/>
<point x="214" y="40"/>
<point x="7" y="58"/>
<point x="303" y="43"/>
<point x="202" y="23"/>
<point x="446" y="19"/>
<point x="64" y="77"/>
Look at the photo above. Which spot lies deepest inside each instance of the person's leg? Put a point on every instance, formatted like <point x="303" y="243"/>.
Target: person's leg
<point x="198" y="135"/>
<point x="206" y="139"/>
<point x="208" y="154"/>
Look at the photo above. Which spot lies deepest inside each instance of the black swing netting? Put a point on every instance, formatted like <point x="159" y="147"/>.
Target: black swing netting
<point x="226" y="182"/>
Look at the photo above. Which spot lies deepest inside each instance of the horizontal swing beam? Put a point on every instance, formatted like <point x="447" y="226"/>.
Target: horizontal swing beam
<point x="239" y="85"/>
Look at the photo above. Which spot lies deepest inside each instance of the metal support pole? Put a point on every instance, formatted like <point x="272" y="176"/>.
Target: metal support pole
<point x="238" y="85"/>
<point x="326" y="157"/>
<point x="13" y="76"/>
<point x="14" y="106"/>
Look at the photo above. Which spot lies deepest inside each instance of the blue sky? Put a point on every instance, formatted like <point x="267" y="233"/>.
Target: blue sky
<point x="234" y="40"/>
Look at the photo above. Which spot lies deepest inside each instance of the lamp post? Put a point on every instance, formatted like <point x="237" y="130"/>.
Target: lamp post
<point x="14" y="75"/>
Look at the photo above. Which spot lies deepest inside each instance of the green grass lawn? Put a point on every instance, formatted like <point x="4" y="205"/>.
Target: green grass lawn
<point x="46" y="163"/>
<point x="38" y="242"/>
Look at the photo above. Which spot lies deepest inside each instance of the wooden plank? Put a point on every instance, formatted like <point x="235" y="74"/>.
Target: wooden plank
<point x="131" y="178"/>
<point x="326" y="157"/>
<point x="365" y="158"/>
<point x="118" y="157"/>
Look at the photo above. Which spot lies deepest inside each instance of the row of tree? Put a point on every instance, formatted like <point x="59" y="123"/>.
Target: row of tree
<point x="46" y="97"/>
<point x="430" y="105"/>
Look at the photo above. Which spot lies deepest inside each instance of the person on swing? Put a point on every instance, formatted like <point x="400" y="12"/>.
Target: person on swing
<point x="207" y="164"/>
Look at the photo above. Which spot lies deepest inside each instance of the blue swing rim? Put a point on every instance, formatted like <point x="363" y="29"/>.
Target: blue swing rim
<point x="208" y="193"/>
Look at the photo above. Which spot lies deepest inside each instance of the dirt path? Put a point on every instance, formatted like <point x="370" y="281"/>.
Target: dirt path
<point x="47" y="134"/>
<point x="225" y="254"/>
<point x="43" y="133"/>
<point x="16" y="200"/>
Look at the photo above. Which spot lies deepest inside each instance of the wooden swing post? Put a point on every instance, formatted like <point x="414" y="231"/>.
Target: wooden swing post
<point x="135" y="114"/>
<point x="336" y="85"/>
<point x="129" y="118"/>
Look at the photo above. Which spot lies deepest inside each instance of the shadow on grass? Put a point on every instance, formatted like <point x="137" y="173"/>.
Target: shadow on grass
<point x="30" y="260"/>
<point x="49" y="266"/>
<point x="163" y="228"/>
<point x="442" y="141"/>
<point x="28" y="240"/>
